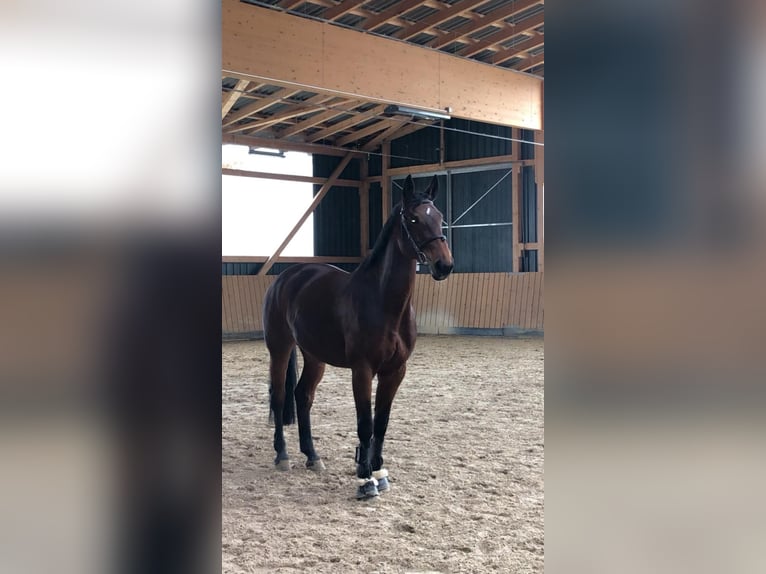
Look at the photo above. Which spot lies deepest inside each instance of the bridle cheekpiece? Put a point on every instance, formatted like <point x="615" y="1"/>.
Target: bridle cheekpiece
<point x="418" y="247"/>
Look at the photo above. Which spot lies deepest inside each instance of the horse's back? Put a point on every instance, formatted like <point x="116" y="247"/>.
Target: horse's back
<point x="302" y="305"/>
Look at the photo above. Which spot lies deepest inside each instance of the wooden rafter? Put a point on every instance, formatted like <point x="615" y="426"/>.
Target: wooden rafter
<point x="250" y="94"/>
<point x="498" y="15"/>
<point x="312" y="121"/>
<point x="410" y="128"/>
<point x="384" y="135"/>
<point x="290" y="112"/>
<point x="319" y="196"/>
<point x="289" y="4"/>
<point x="257" y="106"/>
<point x="476" y="46"/>
<point x="297" y="109"/>
<point x="394" y="132"/>
<point x="437" y="18"/>
<point x="230" y="98"/>
<point x="395" y="10"/>
<point x="364" y="132"/>
<point x="340" y="9"/>
<point x="529" y="63"/>
<point x="502" y="35"/>
<point x="357" y="118"/>
<point x="518" y="50"/>
<point x="254" y="87"/>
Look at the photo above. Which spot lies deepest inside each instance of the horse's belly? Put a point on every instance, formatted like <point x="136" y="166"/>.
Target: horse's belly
<point x="322" y="338"/>
<point x="323" y="348"/>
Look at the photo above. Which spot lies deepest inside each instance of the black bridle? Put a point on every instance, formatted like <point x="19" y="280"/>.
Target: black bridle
<point x="418" y="247"/>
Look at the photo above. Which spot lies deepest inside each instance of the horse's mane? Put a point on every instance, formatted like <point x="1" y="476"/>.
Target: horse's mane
<point x="379" y="249"/>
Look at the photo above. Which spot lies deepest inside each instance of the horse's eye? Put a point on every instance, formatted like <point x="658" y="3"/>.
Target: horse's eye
<point x="414" y="220"/>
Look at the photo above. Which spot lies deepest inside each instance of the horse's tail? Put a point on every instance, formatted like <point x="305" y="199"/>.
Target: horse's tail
<point x="291" y="379"/>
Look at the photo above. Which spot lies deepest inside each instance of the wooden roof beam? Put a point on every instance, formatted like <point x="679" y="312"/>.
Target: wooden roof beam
<point x="518" y="50"/>
<point x="258" y="105"/>
<point x="230" y="98"/>
<point x="275" y="119"/>
<point x="530" y="62"/>
<point x="394" y="132"/>
<point x="358" y="118"/>
<point x="290" y="4"/>
<point x="437" y="18"/>
<point x="384" y="135"/>
<point x="325" y="58"/>
<point x="503" y="35"/>
<point x="476" y="46"/>
<point x="364" y="132"/>
<point x="312" y="121"/>
<point x="344" y="7"/>
<point x="291" y="112"/>
<point x="410" y="128"/>
<point x="397" y="9"/>
<point x="480" y="22"/>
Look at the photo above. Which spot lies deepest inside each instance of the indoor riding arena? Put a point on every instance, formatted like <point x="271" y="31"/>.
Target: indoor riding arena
<point x="449" y="92"/>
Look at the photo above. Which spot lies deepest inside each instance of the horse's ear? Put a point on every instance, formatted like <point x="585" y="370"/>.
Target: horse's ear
<point x="408" y="191"/>
<point x="433" y="188"/>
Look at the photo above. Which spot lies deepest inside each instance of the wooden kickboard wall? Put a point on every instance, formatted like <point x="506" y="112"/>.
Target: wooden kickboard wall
<point x="495" y="303"/>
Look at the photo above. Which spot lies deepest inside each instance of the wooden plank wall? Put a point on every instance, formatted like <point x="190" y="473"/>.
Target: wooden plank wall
<point x="496" y="303"/>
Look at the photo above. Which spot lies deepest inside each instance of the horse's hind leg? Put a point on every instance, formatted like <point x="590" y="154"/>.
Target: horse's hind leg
<point x="280" y="359"/>
<point x="388" y="384"/>
<point x="313" y="370"/>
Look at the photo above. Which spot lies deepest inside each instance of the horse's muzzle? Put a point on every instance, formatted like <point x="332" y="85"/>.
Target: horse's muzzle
<point x="440" y="271"/>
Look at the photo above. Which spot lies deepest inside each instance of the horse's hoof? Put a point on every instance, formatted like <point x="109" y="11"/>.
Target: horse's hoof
<point x="283" y="464"/>
<point x="315" y="465"/>
<point x="382" y="477"/>
<point x="367" y="490"/>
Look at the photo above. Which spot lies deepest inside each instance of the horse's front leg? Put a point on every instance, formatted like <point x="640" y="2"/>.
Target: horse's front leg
<point x="362" y="384"/>
<point x="388" y="384"/>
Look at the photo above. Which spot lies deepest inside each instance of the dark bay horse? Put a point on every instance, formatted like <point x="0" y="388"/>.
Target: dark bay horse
<point x="363" y="321"/>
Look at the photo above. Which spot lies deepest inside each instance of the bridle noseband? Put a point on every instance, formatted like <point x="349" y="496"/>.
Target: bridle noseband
<point x="418" y="247"/>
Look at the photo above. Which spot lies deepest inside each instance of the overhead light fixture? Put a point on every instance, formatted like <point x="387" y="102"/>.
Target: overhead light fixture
<point x="266" y="151"/>
<point x="416" y="113"/>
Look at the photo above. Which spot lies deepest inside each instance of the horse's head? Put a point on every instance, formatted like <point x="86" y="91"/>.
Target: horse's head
<point x="422" y="229"/>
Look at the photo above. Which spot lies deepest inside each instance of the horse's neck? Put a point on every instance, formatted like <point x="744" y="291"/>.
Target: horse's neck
<point x="398" y="278"/>
<point x="395" y="276"/>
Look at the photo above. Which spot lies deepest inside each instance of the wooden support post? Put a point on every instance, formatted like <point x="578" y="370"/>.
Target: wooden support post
<point x="515" y="144"/>
<point x="441" y="142"/>
<point x="385" y="183"/>
<point x="515" y="212"/>
<point x="540" y="181"/>
<point x="364" y="207"/>
<point x="322" y="192"/>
